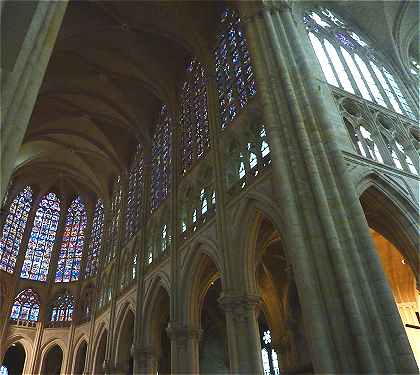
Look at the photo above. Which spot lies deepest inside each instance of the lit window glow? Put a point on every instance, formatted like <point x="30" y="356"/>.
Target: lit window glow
<point x="26" y="306"/>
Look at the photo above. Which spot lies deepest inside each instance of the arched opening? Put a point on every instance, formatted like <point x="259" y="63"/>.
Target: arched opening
<point x="100" y="354"/>
<point x="125" y="341"/>
<point x="395" y="252"/>
<point x="161" y="341"/>
<point x="14" y="360"/>
<point x="214" y="358"/>
<point x="284" y="346"/>
<point x="79" y="363"/>
<point x="52" y="362"/>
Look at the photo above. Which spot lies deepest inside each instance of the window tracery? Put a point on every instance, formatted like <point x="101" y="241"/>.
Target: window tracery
<point x="194" y="116"/>
<point x="135" y="190"/>
<point x="114" y="228"/>
<point x="70" y="256"/>
<point x="269" y="355"/>
<point x="41" y="241"/>
<point x="62" y="308"/>
<point x="95" y="240"/>
<point x="161" y="159"/>
<point x="13" y="229"/>
<point x="234" y="72"/>
<point x="349" y="62"/>
<point x="26" y="306"/>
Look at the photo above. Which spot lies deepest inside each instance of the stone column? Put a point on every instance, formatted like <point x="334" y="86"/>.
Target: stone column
<point x="184" y="348"/>
<point x="350" y="317"/>
<point x="242" y="333"/>
<point x="145" y="360"/>
<point x="22" y="79"/>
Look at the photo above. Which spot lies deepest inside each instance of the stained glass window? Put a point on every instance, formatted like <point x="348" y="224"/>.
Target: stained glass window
<point x="135" y="190"/>
<point x="234" y="73"/>
<point x="70" y="256"/>
<point x="194" y="116"/>
<point x="114" y="228"/>
<point x="26" y="306"/>
<point x="62" y="308"/>
<point x="95" y="240"/>
<point x="161" y="159"/>
<point x="268" y="354"/>
<point x="13" y="229"/>
<point x="350" y="63"/>
<point x="41" y="240"/>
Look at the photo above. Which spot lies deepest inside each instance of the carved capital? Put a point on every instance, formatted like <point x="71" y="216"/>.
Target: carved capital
<point x="179" y="332"/>
<point x="239" y="305"/>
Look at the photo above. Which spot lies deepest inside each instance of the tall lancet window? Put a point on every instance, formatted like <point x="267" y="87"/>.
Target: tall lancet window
<point x="350" y="63"/>
<point x="95" y="240"/>
<point x="234" y="73"/>
<point x="62" y="308"/>
<point x="194" y="116"/>
<point x="13" y="229"/>
<point x="135" y="191"/>
<point x="41" y="240"/>
<point x="70" y="256"/>
<point x="114" y="229"/>
<point x="161" y="159"/>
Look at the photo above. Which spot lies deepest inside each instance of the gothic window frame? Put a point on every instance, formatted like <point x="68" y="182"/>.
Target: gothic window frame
<point x="161" y="159"/>
<point x="96" y="238"/>
<point x="195" y="134"/>
<point x="347" y="58"/>
<point x="135" y="194"/>
<point x="62" y="308"/>
<point x="48" y="210"/>
<point x="29" y="299"/>
<point x="72" y="243"/>
<point x="234" y="71"/>
<point x="116" y="219"/>
<point x="14" y="227"/>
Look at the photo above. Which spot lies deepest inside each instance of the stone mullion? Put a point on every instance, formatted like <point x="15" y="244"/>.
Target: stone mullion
<point x="144" y="361"/>
<point x="324" y="167"/>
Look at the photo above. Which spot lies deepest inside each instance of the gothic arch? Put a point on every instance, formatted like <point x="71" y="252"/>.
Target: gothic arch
<point x="123" y="344"/>
<point x="99" y="350"/>
<point x="27" y="345"/>
<point x="75" y="352"/>
<point x="201" y="268"/>
<point x="47" y="348"/>
<point x="248" y="218"/>
<point x="386" y="209"/>
<point x="157" y="305"/>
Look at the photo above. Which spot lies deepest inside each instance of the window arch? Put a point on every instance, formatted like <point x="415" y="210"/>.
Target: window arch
<point x="194" y="115"/>
<point x="135" y="190"/>
<point x="114" y="228"/>
<point x="13" y="229"/>
<point x="26" y="306"/>
<point x="95" y="240"/>
<point x="161" y="159"/>
<point x="62" y="308"/>
<point x="234" y="73"/>
<point x="70" y="256"/>
<point x="348" y="62"/>
<point x="41" y="240"/>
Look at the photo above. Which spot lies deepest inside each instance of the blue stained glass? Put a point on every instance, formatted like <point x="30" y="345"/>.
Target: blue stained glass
<point x="234" y="64"/>
<point x="41" y="240"/>
<point x="68" y="267"/>
<point x="95" y="243"/>
<point x="26" y="306"/>
<point x="62" y="308"/>
<point x="135" y="190"/>
<point x="13" y="229"/>
<point x="161" y="159"/>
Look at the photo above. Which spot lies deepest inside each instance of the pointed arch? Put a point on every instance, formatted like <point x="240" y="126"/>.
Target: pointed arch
<point x="124" y="334"/>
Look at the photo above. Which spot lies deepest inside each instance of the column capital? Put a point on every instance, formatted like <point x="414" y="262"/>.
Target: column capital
<point x="239" y="305"/>
<point x="253" y="10"/>
<point x="177" y="331"/>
